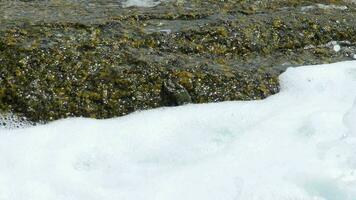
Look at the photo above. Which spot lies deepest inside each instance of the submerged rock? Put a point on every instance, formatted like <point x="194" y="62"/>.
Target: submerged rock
<point x="103" y="59"/>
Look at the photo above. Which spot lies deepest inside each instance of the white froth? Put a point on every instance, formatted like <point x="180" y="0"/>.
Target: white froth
<point x="141" y="3"/>
<point x="296" y="145"/>
<point x="11" y="121"/>
<point x="324" y="7"/>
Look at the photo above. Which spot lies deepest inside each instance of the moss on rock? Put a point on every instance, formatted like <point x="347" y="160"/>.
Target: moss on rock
<point x="113" y="61"/>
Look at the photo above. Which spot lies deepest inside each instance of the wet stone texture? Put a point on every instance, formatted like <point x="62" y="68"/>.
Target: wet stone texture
<point x="100" y="59"/>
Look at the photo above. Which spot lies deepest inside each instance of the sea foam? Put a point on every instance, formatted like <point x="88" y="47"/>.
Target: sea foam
<point x="141" y="3"/>
<point x="296" y="145"/>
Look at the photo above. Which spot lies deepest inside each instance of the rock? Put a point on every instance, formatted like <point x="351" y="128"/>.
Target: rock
<point x="97" y="59"/>
<point x="174" y="94"/>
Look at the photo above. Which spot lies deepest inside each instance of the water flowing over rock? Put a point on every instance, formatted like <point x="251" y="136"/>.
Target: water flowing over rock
<point x="100" y="59"/>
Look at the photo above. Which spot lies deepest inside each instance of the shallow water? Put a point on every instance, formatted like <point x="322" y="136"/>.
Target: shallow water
<point x="79" y="11"/>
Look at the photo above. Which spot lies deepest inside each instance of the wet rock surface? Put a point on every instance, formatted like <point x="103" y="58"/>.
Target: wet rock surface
<point x="103" y="59"/>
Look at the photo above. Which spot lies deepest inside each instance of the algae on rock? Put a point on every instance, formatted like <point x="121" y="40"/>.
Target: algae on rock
<point x="96" y="59"/>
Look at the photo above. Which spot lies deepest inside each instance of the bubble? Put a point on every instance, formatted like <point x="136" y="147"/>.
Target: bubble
<point x="11" y="121"/>
<point x="337" y="48"/>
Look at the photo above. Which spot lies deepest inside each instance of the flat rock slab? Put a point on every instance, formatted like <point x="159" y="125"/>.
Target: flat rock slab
<point x="103" y="59"/>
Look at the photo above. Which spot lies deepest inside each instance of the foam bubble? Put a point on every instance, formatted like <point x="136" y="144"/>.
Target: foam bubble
<point x="337" y="48"/>
<point x="11" y="121"/>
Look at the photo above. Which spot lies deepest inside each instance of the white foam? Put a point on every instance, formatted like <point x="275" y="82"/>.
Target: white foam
<point x="324" y="7"/>
<point x="141" y="3"/>
<point x="296" y="145"/>
<point x="11" y="121"/>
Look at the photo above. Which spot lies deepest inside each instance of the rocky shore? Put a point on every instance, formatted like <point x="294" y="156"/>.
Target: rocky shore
<point x="103" y="59"/>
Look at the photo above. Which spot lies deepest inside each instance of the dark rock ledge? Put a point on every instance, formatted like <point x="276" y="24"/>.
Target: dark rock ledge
<point x="96" y="59"/>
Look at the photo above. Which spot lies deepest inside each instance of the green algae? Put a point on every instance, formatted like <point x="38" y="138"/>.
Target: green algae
<point x="113" y="61"/>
